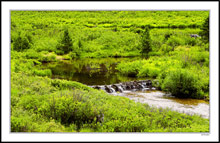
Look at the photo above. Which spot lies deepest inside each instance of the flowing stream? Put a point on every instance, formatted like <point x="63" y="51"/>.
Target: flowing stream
<point x="102" y="74"/>
<point x="160" y="99"/>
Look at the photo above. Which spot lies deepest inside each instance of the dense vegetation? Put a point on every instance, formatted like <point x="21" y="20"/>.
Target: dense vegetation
<point x="44" y="105"/>
<point x="178" y="61"/>
<point x="100" y="33"/>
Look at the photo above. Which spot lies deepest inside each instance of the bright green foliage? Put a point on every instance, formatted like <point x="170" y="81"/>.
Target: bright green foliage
<point x="180" y="64"/>
<point x="185" y="73"/>
<point x="39" y="105"/>
<point x="183" y="84"/>
<point x="22" y="41"/>
<point x="77" y="49"/>
<point x="46" y="44"/>
<point x="22" y="65"/>
<point x="109" y="19"/>
<point x="130" y="68"/>
<point x="65" y="46"/>
<point x="147" y="68"/>
<point x="166" y="40"/>
<point x="27" y="121"/>
<point x="63" y="84"/>
<point x="105" y="33"/>
<point x="47" y="58"/>
<point x="46" y="72"/>
<point x="32" y="54"/>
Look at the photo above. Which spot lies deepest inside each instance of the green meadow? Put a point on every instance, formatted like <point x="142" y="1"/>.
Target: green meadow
<point x="160" y="42"/>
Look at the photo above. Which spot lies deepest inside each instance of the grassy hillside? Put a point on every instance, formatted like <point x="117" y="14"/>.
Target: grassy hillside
<point x="43" y="105"/>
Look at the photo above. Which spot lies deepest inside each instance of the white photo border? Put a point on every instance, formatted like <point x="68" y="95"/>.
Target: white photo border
<point x="214" y="59"/>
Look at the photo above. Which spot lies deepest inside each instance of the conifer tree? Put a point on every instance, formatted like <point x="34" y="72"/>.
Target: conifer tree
<point x="205" y="31"/>
<point x="65" y="46"/>
<point x="146" y="44"/>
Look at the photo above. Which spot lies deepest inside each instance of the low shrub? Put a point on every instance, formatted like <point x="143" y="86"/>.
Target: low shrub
<point x="63" y="84"/>
<point x="48" y="58"/>
<point x="22" y="65"/>
<point x="45" y="44"/>
<point x="155" y="54"/>
<point x="166" y="48"/>
<point x="130" y="68"/>
<point x="32" y="54"/>
<point x="25" y="121"/>
<point x="22" y="41"/>
<point x="46" y="72"/>
<point x="174" y="41"/>
<point x="183" y="84"/>
<point x="149" y="70"/>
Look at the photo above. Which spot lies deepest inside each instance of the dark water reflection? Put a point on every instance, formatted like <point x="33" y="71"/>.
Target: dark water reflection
<point x="90" y="71"/>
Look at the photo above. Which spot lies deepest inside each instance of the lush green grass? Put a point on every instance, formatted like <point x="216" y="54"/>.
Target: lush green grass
<point x="47" y="19"/>
<point x="101" y="33"/>
<point x="165" y="40"/>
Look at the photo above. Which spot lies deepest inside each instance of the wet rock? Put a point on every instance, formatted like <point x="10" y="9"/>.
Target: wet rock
<point x="149" y="83"/>
<point x="138" y="85"/>
<point x="107" y="89"/>
<point x="153" y="88"/>
<point x="117" y="88"/>
<point x="97" y="87"/>
<point x="123" y="86"/>
<point x="132" y="85"/>
<point x="194" y="35"/>
<point x="128" y="86"/>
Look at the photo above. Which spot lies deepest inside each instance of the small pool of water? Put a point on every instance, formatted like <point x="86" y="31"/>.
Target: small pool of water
<point x="90" y="71"/>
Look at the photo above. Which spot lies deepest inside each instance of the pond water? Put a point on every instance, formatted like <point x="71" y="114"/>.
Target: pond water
<point x="90" y="71"/>
<point x="103" y="72"/>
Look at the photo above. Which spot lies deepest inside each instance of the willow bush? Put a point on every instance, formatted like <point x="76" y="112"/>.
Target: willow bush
<point x="183" y="84"/>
